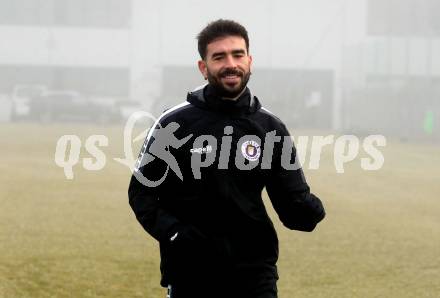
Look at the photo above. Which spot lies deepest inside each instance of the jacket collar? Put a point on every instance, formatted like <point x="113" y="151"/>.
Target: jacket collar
<point x="205" y="98"/>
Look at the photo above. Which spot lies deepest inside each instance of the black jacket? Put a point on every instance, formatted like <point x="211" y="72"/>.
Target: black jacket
<point x="220" y="219"/>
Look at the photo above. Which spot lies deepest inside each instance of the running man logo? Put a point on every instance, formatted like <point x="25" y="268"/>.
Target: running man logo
<point x="157" y="145"/>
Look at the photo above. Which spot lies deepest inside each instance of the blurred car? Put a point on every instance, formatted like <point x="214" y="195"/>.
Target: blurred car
<point x="20" y="98"/>
<point x="68" y="106"/>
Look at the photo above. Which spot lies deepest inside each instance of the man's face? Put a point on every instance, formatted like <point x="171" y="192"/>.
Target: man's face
<point x="227" y="65"/>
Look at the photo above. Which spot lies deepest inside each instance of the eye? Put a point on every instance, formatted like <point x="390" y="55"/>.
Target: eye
<point x="217" y="57"/>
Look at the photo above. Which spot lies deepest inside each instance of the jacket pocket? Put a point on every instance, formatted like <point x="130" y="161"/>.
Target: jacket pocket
<point x="197" y="257"/>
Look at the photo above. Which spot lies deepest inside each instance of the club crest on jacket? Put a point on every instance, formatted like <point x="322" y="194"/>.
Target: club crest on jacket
<point x="251" y="150"/>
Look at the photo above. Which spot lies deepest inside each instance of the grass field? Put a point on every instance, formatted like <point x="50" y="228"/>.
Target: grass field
<point x="79" y="238"/>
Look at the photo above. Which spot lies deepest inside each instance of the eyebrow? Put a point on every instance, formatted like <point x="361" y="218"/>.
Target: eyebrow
<point x="218" y="54"/>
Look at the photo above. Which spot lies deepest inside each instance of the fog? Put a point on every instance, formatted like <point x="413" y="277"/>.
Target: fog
<point x="357" y="83"/>
<point x="349" y="65"/>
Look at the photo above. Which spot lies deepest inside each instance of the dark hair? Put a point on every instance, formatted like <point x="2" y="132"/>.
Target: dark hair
<point x="218" y="29"/>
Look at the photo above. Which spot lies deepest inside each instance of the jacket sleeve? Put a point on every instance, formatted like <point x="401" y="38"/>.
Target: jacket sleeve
<point x="144" y="198"/>
<point x="297" y="208"/>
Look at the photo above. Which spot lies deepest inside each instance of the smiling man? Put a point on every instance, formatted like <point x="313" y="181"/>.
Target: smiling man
<point x="216" y="238"/>
<point x="227" y="66"/>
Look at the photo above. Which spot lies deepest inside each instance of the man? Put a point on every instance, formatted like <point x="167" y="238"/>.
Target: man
<point x="216" y="239"/>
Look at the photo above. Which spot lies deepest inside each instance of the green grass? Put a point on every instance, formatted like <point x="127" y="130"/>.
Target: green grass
<point x="79" y="238"/>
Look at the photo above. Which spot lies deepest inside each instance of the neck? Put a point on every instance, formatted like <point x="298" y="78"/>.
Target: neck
<point x="236" y="97"/>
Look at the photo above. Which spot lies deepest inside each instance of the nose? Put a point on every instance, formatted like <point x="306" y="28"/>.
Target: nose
<point x="230" y="61"/>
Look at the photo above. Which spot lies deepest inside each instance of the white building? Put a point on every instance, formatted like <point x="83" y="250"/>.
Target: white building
<point x="118" y="48"/>
<point x="393" y="74"/>
<point x="81" y="44"/>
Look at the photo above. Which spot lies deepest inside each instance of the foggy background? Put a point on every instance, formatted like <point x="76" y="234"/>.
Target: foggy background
<point x="80" y="68"/>
<point x="358" y="66"/>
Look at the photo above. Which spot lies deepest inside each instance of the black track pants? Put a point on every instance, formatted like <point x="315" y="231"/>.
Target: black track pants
<point x="254" y="286"/>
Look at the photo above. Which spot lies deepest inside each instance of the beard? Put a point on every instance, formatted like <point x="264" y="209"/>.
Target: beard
<point x="227" y="90"/>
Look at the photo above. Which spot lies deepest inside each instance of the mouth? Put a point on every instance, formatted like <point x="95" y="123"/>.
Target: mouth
<point x="231" y="78"/>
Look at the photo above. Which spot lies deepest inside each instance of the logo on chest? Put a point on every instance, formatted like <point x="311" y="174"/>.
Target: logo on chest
<point x="207" y="149"/>
<point x="251" y="150"/>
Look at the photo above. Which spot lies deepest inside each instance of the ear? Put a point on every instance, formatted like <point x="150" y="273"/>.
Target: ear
<point x="250" y="62"/>
<point x="203" y="69"/>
